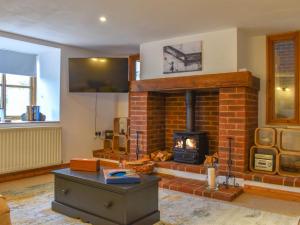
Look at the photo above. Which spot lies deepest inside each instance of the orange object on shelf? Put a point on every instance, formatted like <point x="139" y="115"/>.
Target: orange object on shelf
<point x="81" y="164"/>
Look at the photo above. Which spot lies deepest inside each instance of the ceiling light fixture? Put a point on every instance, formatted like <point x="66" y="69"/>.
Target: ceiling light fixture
<point x="102" y="19"/>
<point x="283" y="89"/>
<point x="103" y="60"/>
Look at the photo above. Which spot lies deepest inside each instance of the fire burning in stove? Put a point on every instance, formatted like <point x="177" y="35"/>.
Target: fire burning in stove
<point x="190" y="143"/>
<point x="179" y="144"/>
<point x="190" y="147"/>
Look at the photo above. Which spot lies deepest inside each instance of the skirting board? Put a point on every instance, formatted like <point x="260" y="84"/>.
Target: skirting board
<point x="272" y="193"/>
<point x="31" y="173"/>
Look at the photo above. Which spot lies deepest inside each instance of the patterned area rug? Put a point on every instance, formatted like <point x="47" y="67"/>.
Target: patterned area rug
<point x="32" y="206"/>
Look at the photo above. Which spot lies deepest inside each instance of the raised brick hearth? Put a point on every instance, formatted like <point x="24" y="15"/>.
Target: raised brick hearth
<point x="273" y="179"/>
<point x="191" y="186"/>
<point x="226" y="106"/>
<point x="199" y="188"/>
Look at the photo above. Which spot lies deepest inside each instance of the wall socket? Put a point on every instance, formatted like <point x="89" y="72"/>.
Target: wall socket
<point x="98" y="134"/>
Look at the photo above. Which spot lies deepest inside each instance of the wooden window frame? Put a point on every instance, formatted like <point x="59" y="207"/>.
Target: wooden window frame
<point x="270" y="95"/>
<point x="132" y="62"/>
<point x="32" y="88"/>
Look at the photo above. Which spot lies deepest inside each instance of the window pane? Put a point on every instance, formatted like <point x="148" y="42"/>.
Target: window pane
<point x="0" y="78"/>
<point x="284" y="53"/>
<point x="1" y="98"/>
<point x="17" y="80"/>
<point x="137" y="70"/>
<point x="16" y="100"/>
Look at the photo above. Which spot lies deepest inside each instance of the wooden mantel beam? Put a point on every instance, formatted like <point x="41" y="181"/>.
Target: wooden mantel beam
<point x="207" y="81"/>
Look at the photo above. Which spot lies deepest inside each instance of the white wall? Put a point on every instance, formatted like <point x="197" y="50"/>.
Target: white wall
<point x="48" y="84"/>
<point x="242" y="49"/>
<point x="219" y="53"/>
<point x="254" y="59"/>
<point x="78" y="110"/>
<point x="122" y="107"/>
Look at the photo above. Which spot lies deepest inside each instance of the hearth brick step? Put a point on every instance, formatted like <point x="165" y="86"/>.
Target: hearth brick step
<point x="273" y="179"/>
<point x="197" y="187"/>
<point x="190" y="186"/>
<point x="200" y="169"/>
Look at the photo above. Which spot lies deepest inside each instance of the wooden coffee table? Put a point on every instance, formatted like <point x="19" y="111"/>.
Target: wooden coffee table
<point x="84" y="195"/>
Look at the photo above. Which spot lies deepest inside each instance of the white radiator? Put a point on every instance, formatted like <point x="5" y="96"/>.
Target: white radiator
<point x="29" y="148"/>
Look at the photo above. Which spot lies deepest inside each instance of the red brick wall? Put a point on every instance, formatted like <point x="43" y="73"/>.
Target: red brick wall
<point x="165" y="113"/>
<point x="156" y="122"/>
<point x="252" y="117"/>
<point x="175" y="117"/>
<point x="147" y="115"/>
<point x="237" y="119"/>
<point x="207" y="117"/>
<point x="138" y="120"/>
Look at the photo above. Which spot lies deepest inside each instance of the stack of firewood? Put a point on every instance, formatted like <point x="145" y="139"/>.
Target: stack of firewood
<point x="143" y="166"/>
<point x="161" y="155"/>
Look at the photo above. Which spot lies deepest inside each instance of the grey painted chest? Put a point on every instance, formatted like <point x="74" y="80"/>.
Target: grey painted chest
<point x="85" y="195"/>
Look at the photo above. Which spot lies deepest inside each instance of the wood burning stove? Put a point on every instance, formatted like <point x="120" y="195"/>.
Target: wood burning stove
<point x="189" y="146"/>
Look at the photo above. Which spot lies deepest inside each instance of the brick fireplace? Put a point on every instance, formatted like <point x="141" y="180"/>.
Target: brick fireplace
<point x="226" y="105"/>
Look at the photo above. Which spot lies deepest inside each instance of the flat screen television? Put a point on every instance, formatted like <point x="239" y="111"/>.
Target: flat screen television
<point x="98" y="75"/>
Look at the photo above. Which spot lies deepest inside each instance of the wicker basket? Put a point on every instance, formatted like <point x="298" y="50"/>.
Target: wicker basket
<point x="290" y="140"/>
<point x="289" y="164"/>
<point x="264" y="151"/>
<point x="265" y="137"/>
<point x="142" y="168"/>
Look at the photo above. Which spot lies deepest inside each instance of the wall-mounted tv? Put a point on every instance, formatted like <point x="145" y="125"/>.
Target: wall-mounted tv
<point x="98" y="75"/>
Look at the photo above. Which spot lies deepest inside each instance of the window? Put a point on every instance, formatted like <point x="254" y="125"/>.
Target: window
<point x="17" y="92"/>
<point x="1" y="92"/>
<point x="134" y="67"/>
<point x="137" y="70"/>
<point x="283" y="79"/>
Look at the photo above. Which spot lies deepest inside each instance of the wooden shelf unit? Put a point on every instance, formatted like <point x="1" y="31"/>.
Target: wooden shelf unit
<point x="289" y="164"/>
<point x="265" y="137"/>
<point x="121" y="131"/>
<point x="263" y="150"/>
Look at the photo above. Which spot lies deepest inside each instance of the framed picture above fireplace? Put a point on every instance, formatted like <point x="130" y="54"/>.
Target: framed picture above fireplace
<point x="185" y="57"/>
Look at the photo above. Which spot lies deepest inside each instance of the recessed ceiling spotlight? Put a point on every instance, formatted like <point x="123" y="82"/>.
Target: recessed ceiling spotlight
<point x="103" y="60"/>
<point x="102" y="19"/>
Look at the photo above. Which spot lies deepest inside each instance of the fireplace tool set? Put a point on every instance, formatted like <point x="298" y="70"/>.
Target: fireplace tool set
<point x="137" y="150"/>
<point x="229" y="165"/>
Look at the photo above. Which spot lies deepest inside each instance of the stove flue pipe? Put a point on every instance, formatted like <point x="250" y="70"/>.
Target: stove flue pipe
<point x="190" y="110"/>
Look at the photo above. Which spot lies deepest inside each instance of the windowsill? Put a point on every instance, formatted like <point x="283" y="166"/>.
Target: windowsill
<point x="20" y="123"/>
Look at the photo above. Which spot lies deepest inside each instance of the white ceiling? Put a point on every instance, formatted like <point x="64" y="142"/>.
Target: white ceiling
<point x="131" y="22"/>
